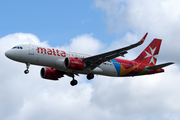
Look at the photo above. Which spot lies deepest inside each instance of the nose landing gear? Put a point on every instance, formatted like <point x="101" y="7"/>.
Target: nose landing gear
<point x="27" y="68"/>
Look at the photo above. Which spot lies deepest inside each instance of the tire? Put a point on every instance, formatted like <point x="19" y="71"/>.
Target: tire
<point x="26" y="71"/>
<point x="74" y="82"/>
<point x="90" y="76"/>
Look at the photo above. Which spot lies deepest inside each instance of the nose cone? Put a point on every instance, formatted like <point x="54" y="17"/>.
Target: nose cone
<point x="8" y="54"/>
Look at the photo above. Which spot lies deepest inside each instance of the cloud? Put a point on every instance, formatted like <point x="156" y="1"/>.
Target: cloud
<point x="31" y="97"/>
<point x="27" y="97"/>
<point x="147" y="97"/>
<point x="85" y="43"/>
<point x="158" y="17"/>
<point x="85" y="21"/>
<point x="153" y="96"/>
<point x="140" y="15"/>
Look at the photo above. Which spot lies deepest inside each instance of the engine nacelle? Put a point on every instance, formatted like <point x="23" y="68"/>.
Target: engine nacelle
<point x="50" y="73"/>
<point x="74" y="63"/>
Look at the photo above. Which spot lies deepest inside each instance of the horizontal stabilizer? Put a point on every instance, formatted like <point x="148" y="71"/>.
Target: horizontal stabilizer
<point x="158" y="66"/>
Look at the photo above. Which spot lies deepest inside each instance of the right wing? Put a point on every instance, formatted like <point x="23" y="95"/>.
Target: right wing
<point x="94" y="61"/>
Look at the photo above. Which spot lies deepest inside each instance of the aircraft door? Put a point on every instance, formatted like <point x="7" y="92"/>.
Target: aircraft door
<point x="31" y="49"/>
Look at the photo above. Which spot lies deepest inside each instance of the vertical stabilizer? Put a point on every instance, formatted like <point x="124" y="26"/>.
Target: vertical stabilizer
<point x="149" y="55"/>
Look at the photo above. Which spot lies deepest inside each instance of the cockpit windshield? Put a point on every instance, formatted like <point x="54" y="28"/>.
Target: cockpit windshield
<point x="17" y="47"/>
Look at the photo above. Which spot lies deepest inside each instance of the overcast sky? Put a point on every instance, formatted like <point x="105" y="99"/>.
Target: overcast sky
<point x="90" y="26"/>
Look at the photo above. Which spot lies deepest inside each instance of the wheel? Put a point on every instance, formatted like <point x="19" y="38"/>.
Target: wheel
<point x="90" y="76"/>
<point x="74" y="82"/>
<point x="26" y="71"/>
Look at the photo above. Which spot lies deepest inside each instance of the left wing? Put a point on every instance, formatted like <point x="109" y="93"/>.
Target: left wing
<point x="94" y="61"/>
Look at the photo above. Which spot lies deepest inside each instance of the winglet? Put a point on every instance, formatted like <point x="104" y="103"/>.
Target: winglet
<point x="143" y="39"/>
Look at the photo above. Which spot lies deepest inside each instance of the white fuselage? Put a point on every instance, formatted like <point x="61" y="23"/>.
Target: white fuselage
<point x="51" y="57"/>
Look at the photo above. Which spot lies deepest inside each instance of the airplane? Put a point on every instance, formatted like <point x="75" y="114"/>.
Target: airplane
<point x="59" y="62"/>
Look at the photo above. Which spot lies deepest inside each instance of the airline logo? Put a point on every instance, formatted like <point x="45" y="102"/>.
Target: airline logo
<point x="51" y="51"/>
<point x="151" y="55"/>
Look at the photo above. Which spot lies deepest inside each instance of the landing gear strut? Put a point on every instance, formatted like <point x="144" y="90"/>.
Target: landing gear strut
<point x="90" y="76"/>
<point x="73" y="82"/>
<point x="27" y="68"/>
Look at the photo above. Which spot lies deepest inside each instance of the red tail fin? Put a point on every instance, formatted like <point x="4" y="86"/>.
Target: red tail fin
<point x="149" y="55"/>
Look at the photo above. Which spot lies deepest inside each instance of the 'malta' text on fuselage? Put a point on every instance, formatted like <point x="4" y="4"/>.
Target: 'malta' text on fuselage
<point x="51" y="51"/>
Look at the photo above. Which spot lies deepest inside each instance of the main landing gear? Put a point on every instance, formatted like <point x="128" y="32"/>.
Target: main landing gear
<point x="90" y="76"/>
<point x="27" y="68"/>
<point x="73" y="82"/>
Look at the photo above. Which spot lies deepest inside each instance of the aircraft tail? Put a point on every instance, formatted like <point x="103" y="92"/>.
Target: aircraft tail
<point x="149" y="55"/>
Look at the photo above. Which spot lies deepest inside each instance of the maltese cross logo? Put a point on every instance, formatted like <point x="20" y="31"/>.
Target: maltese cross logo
<point x="153" y="57"/>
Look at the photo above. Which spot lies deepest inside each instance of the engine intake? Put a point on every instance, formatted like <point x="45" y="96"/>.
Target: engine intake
<point x="74" y="63"/>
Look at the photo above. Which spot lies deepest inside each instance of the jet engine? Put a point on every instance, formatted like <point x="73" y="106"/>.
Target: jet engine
<point x="50" y="73"/>
<point x="74" y="63"/>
